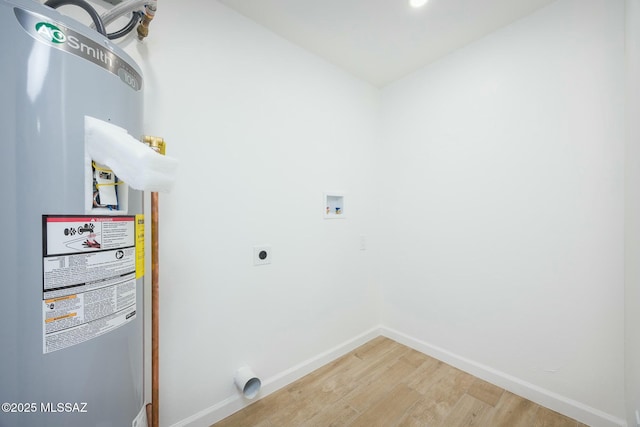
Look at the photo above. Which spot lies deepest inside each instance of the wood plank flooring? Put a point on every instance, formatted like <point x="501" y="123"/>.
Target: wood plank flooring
<point x="386" y="384"/>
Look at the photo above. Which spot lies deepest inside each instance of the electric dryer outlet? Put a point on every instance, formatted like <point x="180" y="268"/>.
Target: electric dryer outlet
<point x="262" y="255"/>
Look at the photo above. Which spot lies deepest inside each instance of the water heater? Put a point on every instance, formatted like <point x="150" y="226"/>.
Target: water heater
<point x="71" y="294"/>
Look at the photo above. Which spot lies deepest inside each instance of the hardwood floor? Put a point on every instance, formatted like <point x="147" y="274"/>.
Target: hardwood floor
<point x="386" y="384"/>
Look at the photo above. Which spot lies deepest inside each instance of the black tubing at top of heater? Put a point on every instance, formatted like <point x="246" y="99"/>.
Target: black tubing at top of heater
<point x="86" y="6"/>
<point x="127" y="28"/>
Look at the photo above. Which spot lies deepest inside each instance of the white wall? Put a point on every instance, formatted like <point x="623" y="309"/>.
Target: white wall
<point x="504" y="189"/>
<point x="632" y="212"/>
<point x="501" y="182"/>
<point x="262" y="128"/>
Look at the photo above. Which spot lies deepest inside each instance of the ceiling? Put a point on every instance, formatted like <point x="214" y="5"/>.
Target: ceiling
<point x="383" y="40"/>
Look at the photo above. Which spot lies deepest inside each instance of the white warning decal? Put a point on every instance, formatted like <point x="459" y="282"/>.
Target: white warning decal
<point x="89" y="282"/>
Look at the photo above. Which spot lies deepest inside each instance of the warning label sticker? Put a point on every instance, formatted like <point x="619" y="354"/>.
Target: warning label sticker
<point x="89" y="277"/>
<point x="71" y="235"/>
<point x="139" y="246"/>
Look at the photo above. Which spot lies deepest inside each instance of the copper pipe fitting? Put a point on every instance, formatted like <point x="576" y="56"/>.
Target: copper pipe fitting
<point x="143" y="28"/>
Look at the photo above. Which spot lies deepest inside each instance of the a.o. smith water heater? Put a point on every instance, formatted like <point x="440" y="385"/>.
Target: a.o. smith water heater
<point x="71" y="294"/>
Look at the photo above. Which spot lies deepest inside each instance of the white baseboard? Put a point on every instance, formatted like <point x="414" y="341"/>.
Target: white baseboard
<point x="571" y="408"/>
<point x="236" y="402"/>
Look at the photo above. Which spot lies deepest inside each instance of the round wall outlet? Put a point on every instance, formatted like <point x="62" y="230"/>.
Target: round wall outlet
<point x="262" y="255"/>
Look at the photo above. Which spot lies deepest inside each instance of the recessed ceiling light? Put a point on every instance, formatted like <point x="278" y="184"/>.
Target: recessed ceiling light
<point x="417" y="3"/>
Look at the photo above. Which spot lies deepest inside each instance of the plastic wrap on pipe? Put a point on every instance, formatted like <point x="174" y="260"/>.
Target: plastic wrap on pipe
<point x="132" y="161"/>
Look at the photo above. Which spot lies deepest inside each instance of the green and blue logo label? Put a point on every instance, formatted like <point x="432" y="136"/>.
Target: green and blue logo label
<point x="50" y="32"/>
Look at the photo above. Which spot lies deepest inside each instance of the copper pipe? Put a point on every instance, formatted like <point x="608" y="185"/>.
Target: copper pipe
<point x="155" y="313"/>
<point x="149" y="414"/>
<point x="153" y="409"/>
